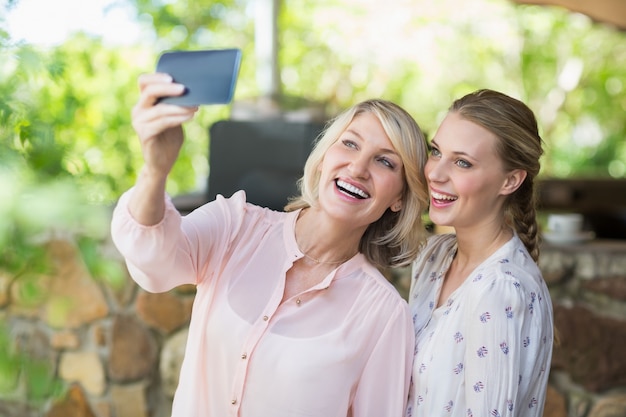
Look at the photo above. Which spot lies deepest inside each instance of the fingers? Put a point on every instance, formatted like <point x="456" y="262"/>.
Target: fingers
<point x="153" y="77"/>
<point x="150" y="119"/>
<point x="150" y="122"/>
<point x="156" y="85"/>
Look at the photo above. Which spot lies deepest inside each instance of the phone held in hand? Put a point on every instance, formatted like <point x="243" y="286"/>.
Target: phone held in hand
<point x="209" y="76"/>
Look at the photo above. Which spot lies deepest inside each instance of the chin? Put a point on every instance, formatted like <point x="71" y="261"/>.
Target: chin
<point x="441" y="224"/>
<point x="437" y="219"/>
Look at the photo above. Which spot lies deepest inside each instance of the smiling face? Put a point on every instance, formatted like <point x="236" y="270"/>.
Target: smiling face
<point x="467" y="181"/>
<point x="361" y="173"/>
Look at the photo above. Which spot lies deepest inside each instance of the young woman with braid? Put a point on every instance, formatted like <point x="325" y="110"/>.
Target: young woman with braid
<point x="481" y="309"/>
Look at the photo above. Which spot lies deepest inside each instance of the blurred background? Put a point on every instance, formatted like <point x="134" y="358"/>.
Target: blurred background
<point x="68" y="81"/>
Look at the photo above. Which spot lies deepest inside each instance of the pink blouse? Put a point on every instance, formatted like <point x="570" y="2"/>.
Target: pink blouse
<point x="342" y="348"/>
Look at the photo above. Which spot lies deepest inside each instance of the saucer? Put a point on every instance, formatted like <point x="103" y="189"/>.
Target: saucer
<point x="561" y="239"/>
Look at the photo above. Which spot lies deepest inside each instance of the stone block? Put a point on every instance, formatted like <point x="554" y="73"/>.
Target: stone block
<point x="610" y="406"/>
<point x="171" y="361"/>
<point x="129" y="400"/>
<point x="591" y="348"/>
<point x="133" y="352"/>
<point x="74" y="404"/>
<point x="555" y="404"/>
<point x="85" y="368"/>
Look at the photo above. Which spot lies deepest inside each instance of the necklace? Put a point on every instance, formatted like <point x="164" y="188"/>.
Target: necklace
<point x="319" y="261"/>
<point x="315" y="260"/>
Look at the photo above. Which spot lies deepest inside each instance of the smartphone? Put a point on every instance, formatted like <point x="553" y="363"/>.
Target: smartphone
<point x="209" y="76"/>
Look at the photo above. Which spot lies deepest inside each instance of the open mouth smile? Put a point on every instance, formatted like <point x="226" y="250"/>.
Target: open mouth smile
<point x="442" y="198"/>
<point x="351" y="190"/>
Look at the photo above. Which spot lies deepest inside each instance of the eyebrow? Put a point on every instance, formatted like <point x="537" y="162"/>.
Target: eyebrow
<point x="433" y="142"/>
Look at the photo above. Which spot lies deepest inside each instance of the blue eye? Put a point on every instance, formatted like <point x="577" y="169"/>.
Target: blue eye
<point x="435" y="152"/>
<point x="349" y="143"/>
<point x="387" y="163"/>
<point x="463" y="163"/>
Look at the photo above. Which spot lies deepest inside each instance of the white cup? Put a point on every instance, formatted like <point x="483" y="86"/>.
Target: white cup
<point x="567" y="224"/>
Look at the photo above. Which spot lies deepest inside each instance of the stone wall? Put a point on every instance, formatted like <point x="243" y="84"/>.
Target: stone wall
<point x="119" y="349"/>
<point x="588" y="287"/>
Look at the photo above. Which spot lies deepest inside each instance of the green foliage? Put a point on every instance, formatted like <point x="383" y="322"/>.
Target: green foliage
<point x="100" y="267"/>
<point x="9" y="365"/>
<point x="569" y="69"/>
<point x="339" y="51"/>
<point x="60" y="160"/>
<point x="62" y="116"/>
<point x="573" y="73"/>
<point x="21" y="372"/>
<point x="35" y="208"/>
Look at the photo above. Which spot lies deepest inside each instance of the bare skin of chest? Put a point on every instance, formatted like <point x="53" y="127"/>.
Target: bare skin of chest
<point x="302" y="277"/>
<point x="453" y="280"/>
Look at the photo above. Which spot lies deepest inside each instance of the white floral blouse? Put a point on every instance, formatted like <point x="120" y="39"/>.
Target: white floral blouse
<point x="486" y="351"/>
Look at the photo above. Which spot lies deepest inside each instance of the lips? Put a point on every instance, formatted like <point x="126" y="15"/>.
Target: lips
<point x="351" y="190"/>
<point x="441" y="198"/>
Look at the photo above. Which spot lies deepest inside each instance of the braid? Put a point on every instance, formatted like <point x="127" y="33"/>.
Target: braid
<point x="521" y="209"/>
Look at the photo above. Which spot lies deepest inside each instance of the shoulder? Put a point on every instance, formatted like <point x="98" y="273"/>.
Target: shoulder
<point x="237" y="207"/>
<point x="434" y="251"/>
<point x="376" y="292"/>
<point x="441" y="240"/>
<point x="513" y="262"/>
<point x="235" y="203"/>
<point x="511" y="274"/>
<point x="229" y="219"/>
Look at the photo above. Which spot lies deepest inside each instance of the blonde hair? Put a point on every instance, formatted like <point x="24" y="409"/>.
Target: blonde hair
<point x="519" y="147"/>
<point x="395" y="238"/>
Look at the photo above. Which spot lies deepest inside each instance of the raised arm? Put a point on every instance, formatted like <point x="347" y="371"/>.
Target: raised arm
<point x="158" y="127"/>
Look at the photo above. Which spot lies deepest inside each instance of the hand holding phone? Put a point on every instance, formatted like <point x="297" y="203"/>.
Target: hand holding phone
<point x="209" y="76"/>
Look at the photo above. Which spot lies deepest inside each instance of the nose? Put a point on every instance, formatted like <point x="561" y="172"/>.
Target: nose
<point x="434" y="171"/>
<point x="359" y="166"/>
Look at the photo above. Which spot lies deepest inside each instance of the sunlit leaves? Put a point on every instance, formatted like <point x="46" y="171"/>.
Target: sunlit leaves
<point x="22" y="372"/>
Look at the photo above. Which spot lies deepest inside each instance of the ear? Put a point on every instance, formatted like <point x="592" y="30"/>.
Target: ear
<point x="513" y="181"/>
<point x="396" y="206"/>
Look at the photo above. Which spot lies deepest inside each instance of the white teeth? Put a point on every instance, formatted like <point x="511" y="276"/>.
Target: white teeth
<point x="438" y="196"/>
<point x="351" y="188"/>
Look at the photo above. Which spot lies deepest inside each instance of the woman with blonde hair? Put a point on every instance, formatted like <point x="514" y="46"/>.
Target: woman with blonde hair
<point x="482" y="311"/>
<point x="292" y="316"/>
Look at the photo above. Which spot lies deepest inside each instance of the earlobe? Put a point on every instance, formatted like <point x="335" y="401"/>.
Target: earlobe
<point x="513" y="181"/>
<point x="397" y="206"/>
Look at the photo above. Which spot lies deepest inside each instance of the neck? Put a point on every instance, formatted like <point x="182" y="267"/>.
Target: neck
<point x="323" y="242"/>
<point x="474" y="247"/>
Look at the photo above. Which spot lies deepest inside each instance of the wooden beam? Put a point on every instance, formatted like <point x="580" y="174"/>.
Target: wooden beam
<point x="612" y="12"/>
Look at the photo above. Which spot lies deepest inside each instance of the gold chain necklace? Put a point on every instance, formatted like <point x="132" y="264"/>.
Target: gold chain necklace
<point x="319" y="261"/>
